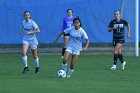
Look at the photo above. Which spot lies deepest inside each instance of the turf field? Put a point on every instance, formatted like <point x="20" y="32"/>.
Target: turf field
<point x="92" y="75"/>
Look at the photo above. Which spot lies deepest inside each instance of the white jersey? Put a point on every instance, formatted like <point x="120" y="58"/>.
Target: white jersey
<point x="28" y="27"/>
<point x="76" y="37"/>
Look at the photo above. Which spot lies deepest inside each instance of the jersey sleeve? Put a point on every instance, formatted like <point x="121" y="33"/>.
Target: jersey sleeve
<point x="84" y="35"/>
<point x="34" y="25"/>
<point x="110" y="24"/>
<point x="125" y="23"/>
<point x="68" y="30"/>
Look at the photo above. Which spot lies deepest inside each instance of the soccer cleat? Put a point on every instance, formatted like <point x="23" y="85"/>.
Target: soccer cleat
<point x="113" y="67"/>
<point x="25" y="69"/>
<point x="36" y="69"/>
<point x="123" y="65"/>
<point x="68" y="76"/>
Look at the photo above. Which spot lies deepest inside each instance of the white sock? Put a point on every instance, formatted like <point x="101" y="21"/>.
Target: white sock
<point x="36" y="62"/>
<point x="64" y="67"/>
<point x="70" y="71"/>
<point x="24" y="59"/>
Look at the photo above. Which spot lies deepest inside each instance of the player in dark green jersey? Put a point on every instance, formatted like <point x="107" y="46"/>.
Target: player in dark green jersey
<point x="117" y="26"/>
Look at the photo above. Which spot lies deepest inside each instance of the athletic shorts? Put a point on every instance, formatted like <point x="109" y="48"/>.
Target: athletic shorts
<point x="72" y="51"/>
<point x="66" y="34"/>
<point x="32" y="44"/>
<point x="118" y="41"/>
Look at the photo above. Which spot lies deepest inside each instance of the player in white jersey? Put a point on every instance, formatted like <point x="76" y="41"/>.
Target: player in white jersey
<point x="74" y="45"/>
<point x="30" y="28"/>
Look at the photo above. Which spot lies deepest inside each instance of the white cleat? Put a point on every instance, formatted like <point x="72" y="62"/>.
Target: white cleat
<point x="123" y="65"/>
<point x="113" y="67"/>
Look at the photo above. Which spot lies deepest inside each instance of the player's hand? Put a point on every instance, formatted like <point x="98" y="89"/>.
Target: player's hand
<point x="84" y="49"/>
<point x="28" y="33"/>
<point x="113" y="28"/>
<point x="20" y="33"/>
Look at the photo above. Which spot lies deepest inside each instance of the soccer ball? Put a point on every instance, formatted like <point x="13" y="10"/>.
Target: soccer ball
<point x="61" y="74"/>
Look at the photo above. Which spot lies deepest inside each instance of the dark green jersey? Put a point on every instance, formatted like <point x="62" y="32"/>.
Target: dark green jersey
<point x="118" y="34"/>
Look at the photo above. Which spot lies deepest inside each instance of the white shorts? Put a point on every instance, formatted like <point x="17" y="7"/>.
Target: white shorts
<point x="32" y="44"/>
<point x="72" y="51"/>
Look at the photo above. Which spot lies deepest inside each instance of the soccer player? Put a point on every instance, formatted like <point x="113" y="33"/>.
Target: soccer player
<point x="74" y="45"/>
<point x="30" y="28"/>
<point x="67" y="23"/>
<point x="117" y="26"/>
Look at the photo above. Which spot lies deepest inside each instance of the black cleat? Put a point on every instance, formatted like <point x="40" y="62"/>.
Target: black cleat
<point x="36" y="69"/>
<point x="25" y="69"/>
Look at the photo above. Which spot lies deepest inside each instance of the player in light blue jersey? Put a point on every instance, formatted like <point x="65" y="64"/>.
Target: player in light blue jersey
<point x="30" y="28"/>
<point x="74" y="45"/>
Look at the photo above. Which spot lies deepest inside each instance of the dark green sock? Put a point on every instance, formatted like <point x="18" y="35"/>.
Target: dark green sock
<point x="115" y="58"/>
<point x="121" y="58"/>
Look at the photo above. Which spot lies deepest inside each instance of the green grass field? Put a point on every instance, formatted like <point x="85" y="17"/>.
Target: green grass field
<point x="92" y="75"/>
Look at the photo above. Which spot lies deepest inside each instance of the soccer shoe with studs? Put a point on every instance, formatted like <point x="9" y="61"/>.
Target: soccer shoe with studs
<point x="113" y="67"/>
<point x="25" y="69"/>
<point x="123" y="65"/>
<point x="36" y="69"/>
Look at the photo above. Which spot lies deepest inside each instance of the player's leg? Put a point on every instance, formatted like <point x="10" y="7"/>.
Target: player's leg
<point x="123" y="63"/>
<point x="73" y="61"/>
<point x="66" y="56"/>
<point x="25" y="47"/>
<point x="35" y="55"/>
<point x="116" y="52"/>
<point x="36" y="59"/>
<point x="66" y="40"/>
<point x="120" y="56"/>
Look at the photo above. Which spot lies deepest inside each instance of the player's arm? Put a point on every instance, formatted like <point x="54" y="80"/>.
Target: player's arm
<point x="37" y="30"/>
<point x="128" y="29"/>
<point x="22" y="30"/>
<point x="58" y="37"/>
<point x="86" y="45"/>
<point x="86" y="39"/>
<point x="111" y="26"/>
<point x="64" y="32"/>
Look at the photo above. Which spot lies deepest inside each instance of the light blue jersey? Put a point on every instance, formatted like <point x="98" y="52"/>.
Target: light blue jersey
<point x="30" y="39"/>
<point x="75" y="42"/>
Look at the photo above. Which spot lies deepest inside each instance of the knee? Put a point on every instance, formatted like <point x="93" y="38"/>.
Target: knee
<point x="35" y="56"/>
<point x="116" y="52"/>
<point x="65" y="45"/>
<point x="120" y="52"/>
<point x="24" y="53"/>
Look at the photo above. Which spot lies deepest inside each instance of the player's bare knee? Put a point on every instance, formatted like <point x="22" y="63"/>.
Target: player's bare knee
<point x="35" y="56"/>
<point x="116" y="52"/>
<point x="120" y="52"/>
<point x="65" y="45"/>
<point x="24" y="53"/>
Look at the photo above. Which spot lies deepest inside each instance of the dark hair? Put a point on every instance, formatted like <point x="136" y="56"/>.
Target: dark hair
<point x="117" y="11"/>
<point x="69" y="10"/>
<point x="77" y="18"/>
<point x="27" y="12"/>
